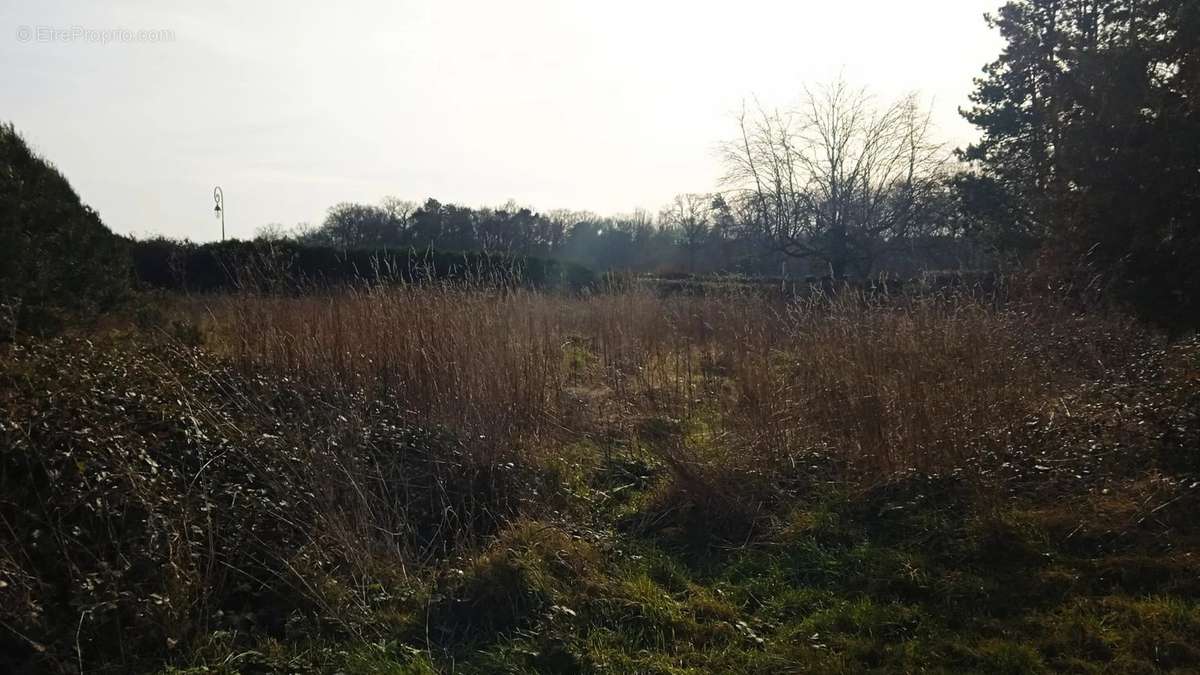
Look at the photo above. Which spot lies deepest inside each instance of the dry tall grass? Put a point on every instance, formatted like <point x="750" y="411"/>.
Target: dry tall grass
<point x="880" y="384"/>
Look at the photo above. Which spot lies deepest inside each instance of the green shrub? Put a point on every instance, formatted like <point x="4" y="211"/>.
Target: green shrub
<point x="57" y="259"/>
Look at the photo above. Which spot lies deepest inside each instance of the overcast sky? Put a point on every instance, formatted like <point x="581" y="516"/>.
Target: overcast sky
<point x="606" y="105"/>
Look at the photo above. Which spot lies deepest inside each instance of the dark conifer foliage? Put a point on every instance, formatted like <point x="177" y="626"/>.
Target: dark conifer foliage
<point x="1091" y="142"/>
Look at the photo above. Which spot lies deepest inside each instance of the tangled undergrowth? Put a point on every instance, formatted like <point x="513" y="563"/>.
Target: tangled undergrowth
<point x="150" y="499"/>
<point x="601" y="484"/>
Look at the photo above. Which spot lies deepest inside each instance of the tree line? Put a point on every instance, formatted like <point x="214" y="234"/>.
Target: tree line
<point x="695" y="233"/>
<point x="683" y="237"/>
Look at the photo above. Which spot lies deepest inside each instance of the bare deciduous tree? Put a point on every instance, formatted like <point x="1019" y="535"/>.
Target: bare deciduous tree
<point x="689" y="215"/>
<point x="271" y="232"/>
<point x="399" y="209"/>
<point x="836" y="179"/>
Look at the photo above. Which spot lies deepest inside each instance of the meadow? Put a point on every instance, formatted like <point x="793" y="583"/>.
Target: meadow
<point x="446" y="436"/>
<point x="457" y="477"/>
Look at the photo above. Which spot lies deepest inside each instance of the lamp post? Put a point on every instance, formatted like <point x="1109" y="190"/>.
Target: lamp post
<point x="219" y="209"/>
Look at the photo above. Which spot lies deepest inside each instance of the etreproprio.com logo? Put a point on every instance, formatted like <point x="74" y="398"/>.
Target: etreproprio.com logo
<point x="88" y="35"/>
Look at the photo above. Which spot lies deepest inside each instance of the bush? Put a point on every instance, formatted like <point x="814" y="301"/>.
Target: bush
<point x="57" y="259"/>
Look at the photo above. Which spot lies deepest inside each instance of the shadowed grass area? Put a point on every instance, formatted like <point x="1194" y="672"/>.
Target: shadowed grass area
<point x="949" y="586"/>
<point x="944" y="584"/>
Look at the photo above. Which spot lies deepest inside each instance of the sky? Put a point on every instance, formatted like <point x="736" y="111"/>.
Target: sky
<point x="291" y="107"/>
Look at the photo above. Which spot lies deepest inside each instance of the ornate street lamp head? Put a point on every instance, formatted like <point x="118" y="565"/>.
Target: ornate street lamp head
<point x="218" y="209"/>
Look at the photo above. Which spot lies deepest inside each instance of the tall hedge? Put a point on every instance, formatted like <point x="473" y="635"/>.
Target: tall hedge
<point x="57" y="259"/>
<point x="288" y="266"/>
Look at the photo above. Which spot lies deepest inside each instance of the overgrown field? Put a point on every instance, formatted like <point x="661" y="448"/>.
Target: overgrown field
<point x="455" y="479"/>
